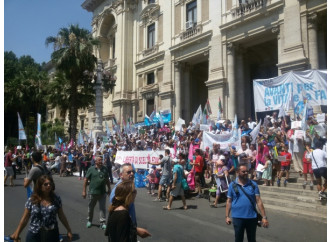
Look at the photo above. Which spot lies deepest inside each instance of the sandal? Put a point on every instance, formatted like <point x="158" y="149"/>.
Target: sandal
<point x="166" y="208"/>
<point x="213" y="206"/>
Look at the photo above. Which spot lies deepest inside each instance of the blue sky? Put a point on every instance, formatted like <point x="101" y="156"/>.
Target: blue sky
<point x="27" y="24"/>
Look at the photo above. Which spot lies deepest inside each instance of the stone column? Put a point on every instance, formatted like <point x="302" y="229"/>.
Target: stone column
<point x="240" y="91"/>
<point x="312" y="41"/>
<point x="276" y="30"/>
<point x="98" y="125"/>
<point x="186" y="93"/>
<point x="231" y="106"/>
<point x="177" y="88"/>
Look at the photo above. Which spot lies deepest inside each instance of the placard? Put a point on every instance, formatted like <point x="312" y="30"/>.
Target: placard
<point x="281" y="158"/>
<point x="299" y="134"/>
<point x="320" y="118"/>
<point x="295" y="124"/>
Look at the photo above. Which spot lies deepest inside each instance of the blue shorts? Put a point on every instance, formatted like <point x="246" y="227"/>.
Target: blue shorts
<point x="165" y="180"/>
<point x="285" y="168"/>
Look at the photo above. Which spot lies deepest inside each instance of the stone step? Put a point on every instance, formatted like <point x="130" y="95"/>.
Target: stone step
<point x="293" y="197"/>
<point x="289" y="190"/>
<point x="294" y="204"/>
<point x="310" y="215"/>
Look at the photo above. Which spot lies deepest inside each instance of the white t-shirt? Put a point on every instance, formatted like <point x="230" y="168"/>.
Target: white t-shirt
<point x="252" y="124"/>
<point x="320" y="158"/>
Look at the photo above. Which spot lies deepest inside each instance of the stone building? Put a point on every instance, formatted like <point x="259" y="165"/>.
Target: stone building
<point x="176" y="54"/>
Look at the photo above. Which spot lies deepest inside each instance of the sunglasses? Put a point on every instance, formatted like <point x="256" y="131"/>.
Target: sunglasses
<point x="130" y="172"/>
<point x="47" y="184"/>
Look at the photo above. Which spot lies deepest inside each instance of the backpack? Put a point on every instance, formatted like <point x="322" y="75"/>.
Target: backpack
<point x="44" y="170"/>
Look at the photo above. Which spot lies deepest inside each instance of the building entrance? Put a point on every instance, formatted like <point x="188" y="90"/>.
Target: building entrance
<point x="261" y="63"/>
<point x="198" y="89"/>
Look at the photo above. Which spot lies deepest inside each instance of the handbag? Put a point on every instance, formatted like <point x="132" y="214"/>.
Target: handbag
<point x="184" y="184"/>
<point x="259" y="217"/>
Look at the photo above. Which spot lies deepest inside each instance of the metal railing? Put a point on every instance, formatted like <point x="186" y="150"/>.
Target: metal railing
<point x="191" y="32"/>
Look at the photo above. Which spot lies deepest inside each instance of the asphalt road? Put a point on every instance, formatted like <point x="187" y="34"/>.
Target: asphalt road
<point x="198" y="223"/>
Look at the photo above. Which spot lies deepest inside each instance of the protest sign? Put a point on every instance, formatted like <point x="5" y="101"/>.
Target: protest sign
<point x="295" y="124"/>
<point x="138" y="158"/>
<point x="287" y="90"/>
<point x="224" y="140"/>
<point x="299" y="134"/>
<point x="320" y="130"/>
<point x="281" y="158"/>
<point x="204" y="127"/>
<point x="320" y="118"/>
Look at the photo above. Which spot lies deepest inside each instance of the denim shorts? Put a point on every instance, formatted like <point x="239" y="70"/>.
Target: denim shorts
<point x="165" y="180"/>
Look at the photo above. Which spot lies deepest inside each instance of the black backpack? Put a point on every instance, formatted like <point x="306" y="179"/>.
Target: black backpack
<point x="44" y="170"/>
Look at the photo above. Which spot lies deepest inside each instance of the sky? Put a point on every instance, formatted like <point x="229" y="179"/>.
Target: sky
<point x="27" y="24"/>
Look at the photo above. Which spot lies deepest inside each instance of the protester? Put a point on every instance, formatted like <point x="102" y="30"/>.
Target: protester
<point x="285" y="166"/>
<point x="166" y="164"/>
<point x="127" y="174"/>
<point x="37" y="170"/>
<point x="176" y="189"/>
<point x="98" y="179"/>
<point x="120" y="226"/>
<point x="9" y="169"/>
<point x="198" y="168"/>
<point x="267" y="171"/>
<point x="307" y="165"/>
<point x="222" y="178"/>
<point x="318" y="158"/>
<point x="243" y="196"/>
<point x="42" y="207"/>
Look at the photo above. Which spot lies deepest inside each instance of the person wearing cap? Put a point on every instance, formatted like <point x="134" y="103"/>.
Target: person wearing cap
<point x="222" y="176"/>
<point x="176" y="189"/>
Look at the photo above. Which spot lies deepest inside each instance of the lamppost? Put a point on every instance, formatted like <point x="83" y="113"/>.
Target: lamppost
<point x="102" y="80"/>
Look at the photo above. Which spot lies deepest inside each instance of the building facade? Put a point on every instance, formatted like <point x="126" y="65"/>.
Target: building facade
<point x="176" y="54"/>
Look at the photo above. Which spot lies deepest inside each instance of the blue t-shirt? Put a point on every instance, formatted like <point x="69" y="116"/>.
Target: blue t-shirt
<point x="179" y="170"/>
<point x="131" y="209"/>
<point x="241" y="206"/>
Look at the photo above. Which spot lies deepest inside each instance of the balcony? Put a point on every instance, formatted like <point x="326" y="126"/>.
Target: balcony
<point x="149" y="51"/>
<point x="191" y="32"/>
<point x="110" y="63"/>
<point x="249" y="8"/>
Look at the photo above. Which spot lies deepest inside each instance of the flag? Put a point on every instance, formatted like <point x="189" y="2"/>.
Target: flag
<point x="235" y="128"/>
<point x="304" y="117"/>
<point x="204" y="116"/>
<point x="208" y="108"/>
<point x="161" y="121"/>
<point x="147" y="120"/>
<point x="94" y="147"/>
<point x="80" y="138"/>
<point x="71" y="144"/>
<point x="107" y="129"/>
<point x="281" y="113"/>
<point x="219" y="109"/>
<point x="38" y="135"/>
<point x="197" y="116"/>
<point x="152" y="115"/>
<point x="21" y="131"/>
<point x="254" y="133"/>
<point x="60" y="140"/>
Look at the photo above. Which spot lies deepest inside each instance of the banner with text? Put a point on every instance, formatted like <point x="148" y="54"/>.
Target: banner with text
<point x="287" y="90"/>
<point x="225" y="140"/>
<point x="139" y="158"/>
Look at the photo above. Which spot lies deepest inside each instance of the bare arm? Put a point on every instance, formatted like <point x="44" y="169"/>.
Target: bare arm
<point x="84" y="188"/>
<point x="22" y="223"/>
<point x="261" y="207"/>
<point x="228" y="209"/>
<point x="143" y="233"/>
<point x="27" y="182"/>
<point x="65" y="222"/>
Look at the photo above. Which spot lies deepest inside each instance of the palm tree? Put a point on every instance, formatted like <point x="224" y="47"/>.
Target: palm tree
<point x="73" y="54"/>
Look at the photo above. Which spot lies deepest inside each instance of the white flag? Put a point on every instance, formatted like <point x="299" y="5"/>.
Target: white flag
<point x="21" y="131"/>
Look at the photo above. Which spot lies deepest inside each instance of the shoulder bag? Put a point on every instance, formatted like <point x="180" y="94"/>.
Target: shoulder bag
<point x="259" y="217"/>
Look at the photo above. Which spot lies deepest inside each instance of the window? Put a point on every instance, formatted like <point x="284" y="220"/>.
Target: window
<point x="81" y="124"/>
<point x="192" y="12"/>
<point x="151" y="1"/>
<point x="151" y="35"/>
<point x="150" y="78"/>
<point x="150" y="106"/>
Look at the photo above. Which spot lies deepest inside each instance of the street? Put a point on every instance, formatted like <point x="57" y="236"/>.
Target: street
<point x="198" y="223"/>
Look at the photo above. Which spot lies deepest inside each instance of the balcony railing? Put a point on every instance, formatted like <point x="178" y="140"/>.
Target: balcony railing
<point x="191" y="32"/>
<point x="150" y="50"/>
<point x="247" y="6"/>
<point x="109" y="63"/>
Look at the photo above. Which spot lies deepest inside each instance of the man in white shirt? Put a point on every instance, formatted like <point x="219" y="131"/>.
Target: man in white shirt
<point x="251" y="123"/>
<point x="244" y="159"/>
<point x="318" y="158"/>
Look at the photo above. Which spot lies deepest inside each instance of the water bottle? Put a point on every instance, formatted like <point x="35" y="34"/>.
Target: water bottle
<point x="7" y="238"/>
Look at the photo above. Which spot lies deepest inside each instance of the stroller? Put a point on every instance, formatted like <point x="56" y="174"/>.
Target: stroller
<point x="222" y="185"/>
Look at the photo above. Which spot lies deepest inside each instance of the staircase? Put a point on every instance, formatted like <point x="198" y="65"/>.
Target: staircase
<point x="294" y="199"/>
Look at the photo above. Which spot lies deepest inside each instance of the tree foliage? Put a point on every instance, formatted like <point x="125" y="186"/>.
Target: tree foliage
<point x="72" y="56"/>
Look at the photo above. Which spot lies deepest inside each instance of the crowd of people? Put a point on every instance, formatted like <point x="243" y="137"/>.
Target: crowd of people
<point x="276" y="150"/>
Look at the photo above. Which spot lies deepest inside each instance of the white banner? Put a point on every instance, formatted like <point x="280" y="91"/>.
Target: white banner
<point x="138" y="158"/>
<point x="225" y="140"/>
<point x="287" y="90"/>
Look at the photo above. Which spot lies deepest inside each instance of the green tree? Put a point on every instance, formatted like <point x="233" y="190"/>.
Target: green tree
<point x="72" y="56"/>
<point x="24" y="89"/>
